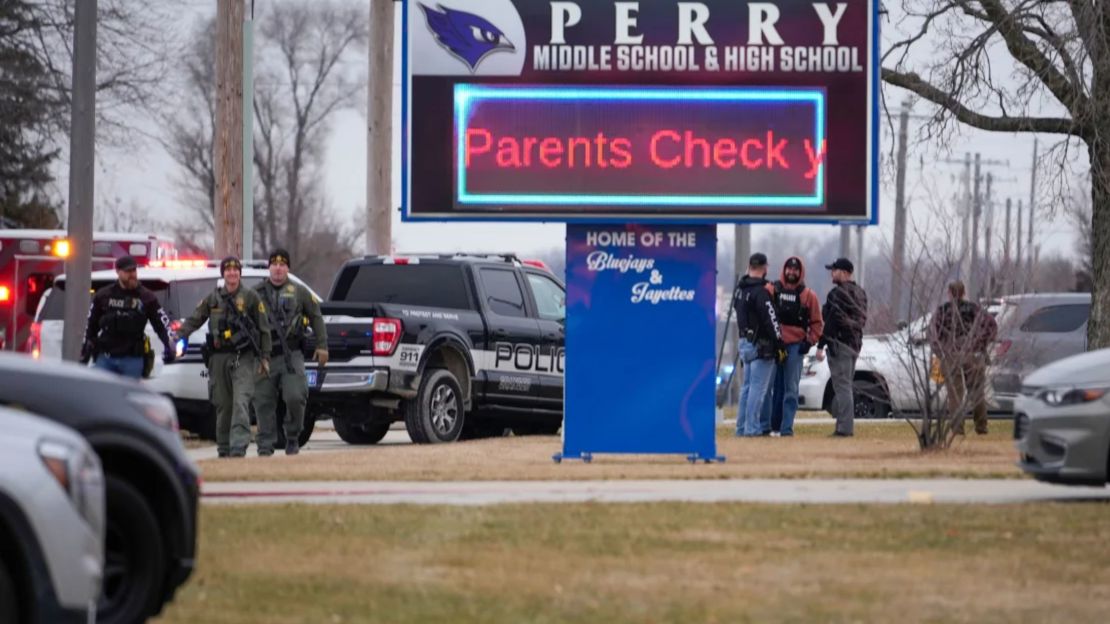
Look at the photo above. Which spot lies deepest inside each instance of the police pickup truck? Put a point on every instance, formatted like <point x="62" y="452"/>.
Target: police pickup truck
<point x="455" y="346"/>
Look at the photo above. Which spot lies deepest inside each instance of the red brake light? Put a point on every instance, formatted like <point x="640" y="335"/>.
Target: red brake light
<point x="5" y="294"/>
<point x="1003" y="348"/>
<point x="386" y="336"/>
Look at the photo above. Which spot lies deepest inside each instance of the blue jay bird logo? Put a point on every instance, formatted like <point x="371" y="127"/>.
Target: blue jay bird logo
<point x="468" y="37"/>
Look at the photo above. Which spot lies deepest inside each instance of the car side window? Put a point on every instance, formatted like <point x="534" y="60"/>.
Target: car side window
<point x="503" y="293"/>
<point x="1059" y="319"/>
<point x="551" y="300"/>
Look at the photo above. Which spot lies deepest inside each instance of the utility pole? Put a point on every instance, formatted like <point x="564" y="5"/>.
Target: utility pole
<point x="229" y="127"/>
<point x="379" y="144"/>
<point x="977" y="207"/>
<point x="1007" y="276"/>
<point x="988" y="259"/>
<point x="898" y="266"/>
<point x="1032" y="205"/>
<point x="248" y="135"/>
<point x="741" y="250"/>
<point x="82" y="169"/>
<point x="861" y="264"/>
<point x="845" y="241"/>
<point x="1019" y="262"/>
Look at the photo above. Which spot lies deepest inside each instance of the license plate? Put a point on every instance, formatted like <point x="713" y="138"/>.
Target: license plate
<point x="311" y="375"/>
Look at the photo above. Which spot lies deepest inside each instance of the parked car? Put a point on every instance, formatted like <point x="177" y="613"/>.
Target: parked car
<point x="179" y="286"/>
<point x="1035" y="330"/>
<point x="1062" y="421"/>
<point x="51" y="522"/>
<point x="151" y="485"/>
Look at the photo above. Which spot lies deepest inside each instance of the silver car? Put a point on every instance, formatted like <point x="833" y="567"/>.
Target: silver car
<point x="51" y="522"/>
<point x="1062" y="421"/>
<point x="1035" y="330"/>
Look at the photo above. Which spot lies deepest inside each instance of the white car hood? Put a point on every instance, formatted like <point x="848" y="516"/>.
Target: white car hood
<point x="1090" y="369"/>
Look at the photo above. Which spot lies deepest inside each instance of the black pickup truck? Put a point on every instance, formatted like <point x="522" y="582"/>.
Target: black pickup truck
<point x="455" y="346"/>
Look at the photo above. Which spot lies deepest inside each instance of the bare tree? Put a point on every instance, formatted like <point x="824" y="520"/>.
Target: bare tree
<point x="135" y="47"/>
<point x="307" y="70"/>
<point x="189" y="128"/>
<point x="1079" y="212"/>
<point x="1057" y="55"/>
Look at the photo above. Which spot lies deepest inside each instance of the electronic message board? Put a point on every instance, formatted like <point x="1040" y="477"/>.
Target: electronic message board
<point x="602" y="111"/>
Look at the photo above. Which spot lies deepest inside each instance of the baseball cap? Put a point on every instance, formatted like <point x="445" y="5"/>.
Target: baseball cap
<point x="843" y="264"/>
<point x="757" y="260"/>
<point x="794" y="263"/>
<point x="230" y="262"/>
<point x="126" y="263"/>
<point x="280" y="256"/>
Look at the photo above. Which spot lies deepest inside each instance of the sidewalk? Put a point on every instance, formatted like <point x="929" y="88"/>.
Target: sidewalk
<point x="815" y="491"/>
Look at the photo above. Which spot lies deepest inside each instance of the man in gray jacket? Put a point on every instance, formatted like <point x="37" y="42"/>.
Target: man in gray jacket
<point x="845" y="313"/>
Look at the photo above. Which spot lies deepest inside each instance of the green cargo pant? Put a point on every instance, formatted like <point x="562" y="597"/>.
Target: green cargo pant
<point x="232" y="377"/>
<point x="293" y="386"/>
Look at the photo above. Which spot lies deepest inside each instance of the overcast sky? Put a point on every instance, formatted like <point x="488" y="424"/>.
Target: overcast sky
<point x="146" y="177"/>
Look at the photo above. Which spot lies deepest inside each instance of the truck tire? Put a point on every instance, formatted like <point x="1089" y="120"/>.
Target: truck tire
<point x="436" y="415"/>
<point x="360" y="434"/>
<point x="306" y="429"/>
<point x="9" y="604"/>
<point x="134" y="557"/>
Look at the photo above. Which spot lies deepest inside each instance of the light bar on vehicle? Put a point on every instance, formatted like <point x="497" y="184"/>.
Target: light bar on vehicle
<point x="61" y="248"/>
<point x="398" y="260"/>
<point x="178" y="264"/>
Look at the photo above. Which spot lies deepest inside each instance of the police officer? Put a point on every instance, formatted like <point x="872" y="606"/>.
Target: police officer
<point x="238" y="351"/>
<point x="760" y="344"/>
<point x="292" y="309"/>
<point x="117" y="324"/>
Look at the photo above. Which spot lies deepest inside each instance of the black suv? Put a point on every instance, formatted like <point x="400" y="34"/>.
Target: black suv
<point x="151" y="485"/>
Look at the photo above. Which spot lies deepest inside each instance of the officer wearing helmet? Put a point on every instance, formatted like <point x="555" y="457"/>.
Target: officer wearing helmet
<point x="116" y="330"/>
<point x="292" y="310"/>
<point x="238" y="349"/>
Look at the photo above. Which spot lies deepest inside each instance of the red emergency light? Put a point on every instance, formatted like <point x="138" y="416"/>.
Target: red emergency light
<point x="5" y="294"/>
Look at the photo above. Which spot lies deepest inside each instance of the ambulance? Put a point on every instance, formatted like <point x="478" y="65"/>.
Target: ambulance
<point x="31" y="259"/>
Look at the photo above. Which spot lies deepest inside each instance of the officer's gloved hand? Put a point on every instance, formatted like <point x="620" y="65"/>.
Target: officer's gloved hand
<point x="169" y="355"/>
<point x="780" y="352"/>
<point x="86" y="353"/>
<point x="322" y="357"/>
<point x="264" y="367"/>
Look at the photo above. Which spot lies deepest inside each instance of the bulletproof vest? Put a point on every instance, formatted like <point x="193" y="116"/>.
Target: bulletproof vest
<point x="124" y="321"/>
<point x="232" y="332"/>
<point x="790" y="307"/>
<point x="286" y="324"/>
<point x="747" y="318"/>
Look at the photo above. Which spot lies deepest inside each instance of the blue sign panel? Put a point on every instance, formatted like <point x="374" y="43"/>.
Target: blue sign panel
<point x="640" y="335"/>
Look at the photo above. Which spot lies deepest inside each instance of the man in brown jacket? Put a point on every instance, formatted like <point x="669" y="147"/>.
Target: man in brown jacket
<point x="799" y="312"/>
<point x="960" y="334"/>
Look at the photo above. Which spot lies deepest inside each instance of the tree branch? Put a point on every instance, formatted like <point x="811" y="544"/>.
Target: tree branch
<point x="915" y="83"/>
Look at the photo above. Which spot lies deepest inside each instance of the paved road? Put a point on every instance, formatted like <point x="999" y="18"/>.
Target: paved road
<point x="819" y="491"/>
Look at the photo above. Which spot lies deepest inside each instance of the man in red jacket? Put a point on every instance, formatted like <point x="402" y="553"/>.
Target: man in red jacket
<point x="800" y="315"/>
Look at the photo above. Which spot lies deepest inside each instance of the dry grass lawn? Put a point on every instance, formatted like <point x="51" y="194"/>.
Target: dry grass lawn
<point x="650" y="563"/>
<point x="877" y="450"/>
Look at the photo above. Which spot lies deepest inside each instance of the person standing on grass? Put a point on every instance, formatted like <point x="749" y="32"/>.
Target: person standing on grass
<point x="845" y="314"/>
<point x="760" y="344"/>
<point x="799" y="312"/>
<point x="960" y="334"/>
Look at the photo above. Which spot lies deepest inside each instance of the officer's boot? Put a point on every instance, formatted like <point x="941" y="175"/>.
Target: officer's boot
<point x="292" y="447"/>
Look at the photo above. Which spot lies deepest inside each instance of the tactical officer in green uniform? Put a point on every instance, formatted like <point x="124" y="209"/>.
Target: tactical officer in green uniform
<point x="237" y="352"/>
<point x="292" y="309"/>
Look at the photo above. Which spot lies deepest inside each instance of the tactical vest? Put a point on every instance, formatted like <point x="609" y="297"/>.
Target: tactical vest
<point x="123" y="323"/>
<point x="790" y="307"/>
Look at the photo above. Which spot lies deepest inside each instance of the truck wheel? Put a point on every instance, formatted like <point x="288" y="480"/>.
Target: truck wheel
<point x="360" y="434"/>
<point x="436" y="414"/>
<point x="9" y="605"/>
<point x="134" y="557"/>
<point x="533" y="429"/>
<point x="306" y="429"/>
